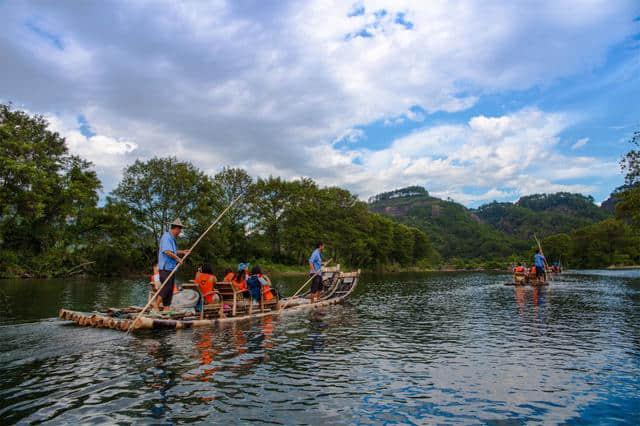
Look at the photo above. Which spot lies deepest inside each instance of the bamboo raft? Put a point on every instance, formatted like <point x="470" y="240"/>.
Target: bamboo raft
<point x="233" y="307"/>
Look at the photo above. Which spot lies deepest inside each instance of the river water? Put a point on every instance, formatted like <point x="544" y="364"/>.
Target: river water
<point x="406" y="348"/>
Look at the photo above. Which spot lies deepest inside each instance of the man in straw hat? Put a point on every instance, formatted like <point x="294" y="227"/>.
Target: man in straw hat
<point x="168" y="258"/>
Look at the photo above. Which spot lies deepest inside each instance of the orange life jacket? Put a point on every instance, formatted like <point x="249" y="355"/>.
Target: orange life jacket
<point x="533" y="269"/>
<point x="519" y="269"/>
<point x="206" y="282"/>
<point x="266" y="290"/>
<point x="228" y="277"/>
<point x="239" y="285"/>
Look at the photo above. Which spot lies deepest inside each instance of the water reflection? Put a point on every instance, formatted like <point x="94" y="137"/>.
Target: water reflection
<point x="536" y="296"/>
<point x="408" y="348"/>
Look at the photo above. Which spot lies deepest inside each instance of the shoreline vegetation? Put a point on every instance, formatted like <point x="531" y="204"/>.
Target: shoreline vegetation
<point x="55" y="220"/>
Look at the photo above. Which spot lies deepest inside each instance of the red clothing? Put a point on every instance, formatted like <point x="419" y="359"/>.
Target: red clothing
<point x="206" y="283"/>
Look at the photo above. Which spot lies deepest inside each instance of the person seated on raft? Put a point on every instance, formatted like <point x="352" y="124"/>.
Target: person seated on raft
<point x="155" y="285"/>
<point x="154" y="281"/>
<point x="259" y="284"/>
<point x="519" y="269"/>
<point x="206" y="281"/>
<point x="519" y="273"/>
<point x="227" y="274"/>
<point x="239" y="279"/>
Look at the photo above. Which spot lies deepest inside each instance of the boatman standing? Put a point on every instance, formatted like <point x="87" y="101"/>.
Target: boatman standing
<point x="539" y="261"/>
<point x="315" y="270"/>
<point x="168" y="258"/>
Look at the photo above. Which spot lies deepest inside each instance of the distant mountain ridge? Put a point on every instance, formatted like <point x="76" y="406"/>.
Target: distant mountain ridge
<point x="494" y="230"/>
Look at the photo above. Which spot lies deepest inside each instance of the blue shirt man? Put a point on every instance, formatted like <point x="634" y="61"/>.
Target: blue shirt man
<point x="538" y="260"/>
<point x="315" y="270"/>
<point x="315" y="261"/>
<point x="167" y="244"/>
<point x="168" y="259"/>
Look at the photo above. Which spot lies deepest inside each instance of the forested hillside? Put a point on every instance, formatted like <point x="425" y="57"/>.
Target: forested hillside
<point x="456" y="231"/>
<point x="543" y="214"/>
<point x="575" y="230"/>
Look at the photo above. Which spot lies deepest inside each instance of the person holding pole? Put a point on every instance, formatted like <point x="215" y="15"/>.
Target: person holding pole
<point x="168" y="259"/>
<point x="315" y="270"/>
<point x="539" y="261"/>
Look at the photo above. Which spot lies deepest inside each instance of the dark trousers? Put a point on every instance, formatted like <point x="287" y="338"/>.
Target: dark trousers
<point x="167" y="291"/>
<point x="316" y="284"/>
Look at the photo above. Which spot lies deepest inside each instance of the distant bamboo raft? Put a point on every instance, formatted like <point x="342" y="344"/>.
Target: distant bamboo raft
<point x="337" y="287"/>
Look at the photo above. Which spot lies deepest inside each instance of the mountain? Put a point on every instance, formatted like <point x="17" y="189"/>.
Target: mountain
<point x="542" y="214"/>
<point x="492" y="231"/>
<point x="454" y="230"/>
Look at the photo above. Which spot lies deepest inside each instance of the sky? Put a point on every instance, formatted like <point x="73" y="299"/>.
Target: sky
<point x="474" y="100"/>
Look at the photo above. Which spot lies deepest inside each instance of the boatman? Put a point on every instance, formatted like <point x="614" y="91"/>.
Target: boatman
<point x="315" y="270"/>
<point x="539" y="261"/>
<point x="168" y="258"/>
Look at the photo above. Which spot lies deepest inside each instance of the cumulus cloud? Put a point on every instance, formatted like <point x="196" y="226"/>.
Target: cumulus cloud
<point x="498" y="157"/>
<point x="272" y="88"/>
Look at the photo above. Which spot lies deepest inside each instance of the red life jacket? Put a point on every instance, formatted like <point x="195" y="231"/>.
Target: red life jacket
<point x="206" y="282"/>
<point x="519" y="269"/>
<point x="533" y="269"/>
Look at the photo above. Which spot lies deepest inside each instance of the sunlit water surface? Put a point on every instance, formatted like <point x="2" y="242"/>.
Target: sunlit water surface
<point x="408" y="348"/>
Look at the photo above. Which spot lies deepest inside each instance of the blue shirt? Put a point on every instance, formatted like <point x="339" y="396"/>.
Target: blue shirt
<point x="538" y="259"/>
<point x="316" y="261"/>
<point x="167" y="243"/>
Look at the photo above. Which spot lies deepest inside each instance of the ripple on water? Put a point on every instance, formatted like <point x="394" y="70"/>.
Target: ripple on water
<point x="407" y="348"/>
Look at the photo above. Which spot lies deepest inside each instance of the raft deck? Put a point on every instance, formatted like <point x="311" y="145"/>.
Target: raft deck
<point x="337" y="287"/>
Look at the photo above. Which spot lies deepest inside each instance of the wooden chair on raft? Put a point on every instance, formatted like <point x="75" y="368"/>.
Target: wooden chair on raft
<point x="216" y="306"/>
<point x="266" y="301"/>
<point x="231" y="296"/>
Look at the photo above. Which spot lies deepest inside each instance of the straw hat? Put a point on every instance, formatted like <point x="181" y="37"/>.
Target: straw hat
<point x="177" y="222"/>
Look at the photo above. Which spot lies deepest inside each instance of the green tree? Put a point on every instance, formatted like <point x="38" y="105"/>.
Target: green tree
<point x="628" y="208"/>
<point x="269" y="200"/>
<point x="43" y="190"/>
<point x="162" y="189"/>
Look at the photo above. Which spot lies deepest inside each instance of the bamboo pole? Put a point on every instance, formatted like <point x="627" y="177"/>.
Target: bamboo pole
<point x="173" y="272"/>
<point x="303" y="285"/>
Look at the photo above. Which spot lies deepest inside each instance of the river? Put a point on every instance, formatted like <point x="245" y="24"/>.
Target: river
<point x="405" y="348"/>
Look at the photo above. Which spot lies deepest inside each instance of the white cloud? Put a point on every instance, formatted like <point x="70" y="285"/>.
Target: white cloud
<point x="580" y="143"/>
<point x="500" y="157"/>
<point x="272" y="88"/>
<point x="350" y="136"/>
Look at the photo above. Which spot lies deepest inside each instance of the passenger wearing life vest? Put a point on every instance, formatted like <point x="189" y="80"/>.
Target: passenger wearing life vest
<point x="239" y="279"/>
<point x="519" y="270"/>
<point x="227" y="274"/>
<point x="259" y="284"/>
<point x="206" y="281"/>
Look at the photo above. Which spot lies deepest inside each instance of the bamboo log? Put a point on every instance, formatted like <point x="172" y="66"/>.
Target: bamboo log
<point x="145" y="322"/>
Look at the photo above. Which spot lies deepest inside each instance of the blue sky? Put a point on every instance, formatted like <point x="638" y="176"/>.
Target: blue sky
<point x="473" y="100"/>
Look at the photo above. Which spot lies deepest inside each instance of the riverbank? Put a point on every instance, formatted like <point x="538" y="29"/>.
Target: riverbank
<point x="281" y="270"/>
